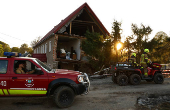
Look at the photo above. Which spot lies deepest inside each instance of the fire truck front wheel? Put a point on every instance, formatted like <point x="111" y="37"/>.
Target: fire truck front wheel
<point x="64" y="96"/>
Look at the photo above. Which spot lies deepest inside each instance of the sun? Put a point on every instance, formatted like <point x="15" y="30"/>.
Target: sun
<point x="119" y="45"/>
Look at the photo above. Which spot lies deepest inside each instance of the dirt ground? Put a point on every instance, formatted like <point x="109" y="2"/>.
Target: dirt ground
<point x="103" y="95"/>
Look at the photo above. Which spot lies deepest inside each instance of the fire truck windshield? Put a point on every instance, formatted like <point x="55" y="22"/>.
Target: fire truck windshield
<point x="43" y="65"/>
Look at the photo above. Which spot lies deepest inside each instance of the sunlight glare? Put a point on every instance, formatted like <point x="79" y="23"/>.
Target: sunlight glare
<point x="119" y="46"/>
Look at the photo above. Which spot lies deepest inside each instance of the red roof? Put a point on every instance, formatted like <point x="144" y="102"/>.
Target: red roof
<point x="63" y="22"/>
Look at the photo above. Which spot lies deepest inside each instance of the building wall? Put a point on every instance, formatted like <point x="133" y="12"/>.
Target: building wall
<point x="49" y="54"/>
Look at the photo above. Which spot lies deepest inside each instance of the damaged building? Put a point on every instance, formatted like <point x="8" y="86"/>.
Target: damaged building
<point x="61" y="47"/>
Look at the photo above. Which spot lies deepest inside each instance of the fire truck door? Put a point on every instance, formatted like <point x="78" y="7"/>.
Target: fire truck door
<point x="28" y="82"/>
<point x="4" y="77"/>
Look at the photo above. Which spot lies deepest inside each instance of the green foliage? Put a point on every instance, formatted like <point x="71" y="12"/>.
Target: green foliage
<point x="15" y="49"/>
<point x="1" y="50"/>
<point x="93" y="44"/>
<point x="140" y="33"/>
<point x="30" y="50"/>
<point x="7" y="48"/>
<point x="116" y="36"/>
<point x="97" y="50"/>
<point x="116" y="32"/>
<point x="129" y="45"/>
<point x="160" y="48"/>
<point x="23" y="48"/>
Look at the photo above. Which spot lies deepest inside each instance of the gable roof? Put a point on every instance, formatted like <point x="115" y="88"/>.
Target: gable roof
<point x="63" y="22"/>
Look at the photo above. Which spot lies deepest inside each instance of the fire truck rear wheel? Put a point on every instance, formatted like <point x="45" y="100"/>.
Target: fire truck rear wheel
<point x="122" y="80"/>
<point x="158" y="78"/>
<point x="64" y="96"/>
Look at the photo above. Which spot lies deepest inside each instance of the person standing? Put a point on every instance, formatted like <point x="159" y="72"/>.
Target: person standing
<point x="144" y="61"/>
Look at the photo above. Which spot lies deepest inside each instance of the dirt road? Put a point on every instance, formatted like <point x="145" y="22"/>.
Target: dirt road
<point x="104" y="95"/>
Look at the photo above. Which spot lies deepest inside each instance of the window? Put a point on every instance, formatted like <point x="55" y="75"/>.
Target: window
<point x="24" y="67"/>
<point x="34" y="50"/>
<point x="45" y="47"/>
<point x="3" y="66"/>
<point x="41" y="49"/>
<point x="49" y="46"/>
<point x="43" y="65"/>
<point x="37" y="50"/>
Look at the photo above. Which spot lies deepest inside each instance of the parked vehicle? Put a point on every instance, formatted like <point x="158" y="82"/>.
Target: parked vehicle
<point x="124" y="72"/>
<point x="62" y="84"/>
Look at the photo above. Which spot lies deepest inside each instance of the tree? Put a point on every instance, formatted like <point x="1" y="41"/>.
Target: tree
<point x="1" y="50"/>
<point x="15" y="49"/>
<point x="30" y="50"/>
<point x="129" y="45"/>
<point x="35" y="41"/>
<point x="6" y="48"/>
<point x="160" y="51"/>
<point x="23" y="48"/>
<point x="97" y="49"/>
<point x="140" y="33"/>
<point x="93" y="44"/>
<point x="116" y="35"/>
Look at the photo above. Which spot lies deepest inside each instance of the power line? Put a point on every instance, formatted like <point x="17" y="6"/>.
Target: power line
<point x="13" y="37"/>
<point x="7" y="41"/>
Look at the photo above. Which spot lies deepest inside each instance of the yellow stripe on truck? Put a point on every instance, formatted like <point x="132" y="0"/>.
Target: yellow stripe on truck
<point x="5" y="91"/>
<point x="25" y="92"/>
<point x="1" y="92"/>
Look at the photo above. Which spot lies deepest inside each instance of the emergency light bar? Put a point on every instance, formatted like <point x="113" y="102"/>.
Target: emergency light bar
<point x="10" y="54"/>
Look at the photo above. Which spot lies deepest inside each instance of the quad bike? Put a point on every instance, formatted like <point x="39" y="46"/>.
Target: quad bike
<point x="125" y="72"/>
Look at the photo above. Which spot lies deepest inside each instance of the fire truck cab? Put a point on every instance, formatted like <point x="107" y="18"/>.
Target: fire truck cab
<point x="37" y="79"/>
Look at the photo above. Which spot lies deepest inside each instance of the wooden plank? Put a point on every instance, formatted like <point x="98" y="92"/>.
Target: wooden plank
<point x="70" y="27"/>
<point x="71" y="36"/>
<point x="92" y="29"/>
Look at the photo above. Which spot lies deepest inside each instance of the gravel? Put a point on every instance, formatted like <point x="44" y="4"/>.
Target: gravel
<point x="103" y="95"/>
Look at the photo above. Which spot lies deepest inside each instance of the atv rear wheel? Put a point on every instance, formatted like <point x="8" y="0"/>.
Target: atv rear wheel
<point x="64" y="96"/>
<point x="122" y="80"/>
<point x="135" y="79"/>
<point x="158" y="78"/>
<point x="114" y="79"/>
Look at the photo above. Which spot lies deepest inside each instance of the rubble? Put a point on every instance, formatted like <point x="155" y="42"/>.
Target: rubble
<point x="153" y="100"/>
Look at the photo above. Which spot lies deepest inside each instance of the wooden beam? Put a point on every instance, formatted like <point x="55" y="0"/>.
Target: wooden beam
<point x="71" y="36"/>
<point x="92" y="29"/>
<point x="83" y="21"/>
<point x="96" y="23"/>
<point x="70" y="27"/>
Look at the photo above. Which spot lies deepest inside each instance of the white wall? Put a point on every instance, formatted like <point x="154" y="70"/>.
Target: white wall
<point x="75" y="44"/>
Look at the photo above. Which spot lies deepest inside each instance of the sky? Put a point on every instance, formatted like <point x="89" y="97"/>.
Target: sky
<point x="22" y="21"/>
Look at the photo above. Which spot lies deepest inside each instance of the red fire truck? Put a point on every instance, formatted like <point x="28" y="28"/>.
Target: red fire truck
<point x="37" y="79"/>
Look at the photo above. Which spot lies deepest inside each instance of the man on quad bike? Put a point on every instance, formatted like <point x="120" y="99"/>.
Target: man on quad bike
<point x="132" y="60"/>
<point x="145" y="61"/>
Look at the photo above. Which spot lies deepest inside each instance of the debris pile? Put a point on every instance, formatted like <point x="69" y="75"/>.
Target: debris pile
<point x="153" y="100"/>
